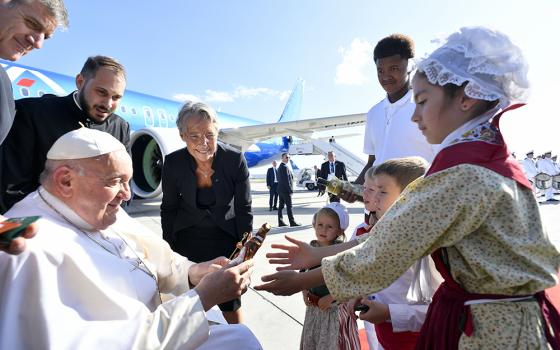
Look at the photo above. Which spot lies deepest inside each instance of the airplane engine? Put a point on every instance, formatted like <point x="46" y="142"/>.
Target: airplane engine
<point x="149" y="148"/>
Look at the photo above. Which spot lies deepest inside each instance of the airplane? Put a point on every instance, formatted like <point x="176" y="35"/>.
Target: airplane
<point x="154" y="133"/>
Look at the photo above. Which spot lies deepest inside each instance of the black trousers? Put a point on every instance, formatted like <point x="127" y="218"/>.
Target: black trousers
<point x="285" y="198"/>
<point x="206" y="242"/>
<point x="273" y="195"/>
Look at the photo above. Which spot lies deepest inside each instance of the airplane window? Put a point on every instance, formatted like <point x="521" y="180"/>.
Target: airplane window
<point x="24" y="92"/>
<point x="163" y="122"/>
<point x="133" y="110"/>
<point x="148" y="116"/>
<point x="123" y="109"/>
<point x="40" y="93"/>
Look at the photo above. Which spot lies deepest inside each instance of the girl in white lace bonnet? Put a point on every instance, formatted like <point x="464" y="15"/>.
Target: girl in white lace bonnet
<point x="461" y="90"/>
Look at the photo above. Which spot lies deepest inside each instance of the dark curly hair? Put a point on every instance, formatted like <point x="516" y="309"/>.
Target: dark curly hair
<point x="394" y="44"/>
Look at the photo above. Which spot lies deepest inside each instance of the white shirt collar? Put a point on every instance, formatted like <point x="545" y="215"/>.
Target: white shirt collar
<point x="65" y="210"/>
<point x="398" y="103"/>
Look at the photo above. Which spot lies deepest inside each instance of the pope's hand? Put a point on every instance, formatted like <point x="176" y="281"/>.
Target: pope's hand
<point x="225" y="284"/>
<point x="281" y="283"/>
<point x="17" y="245"/>
<point x="198" y="271"/>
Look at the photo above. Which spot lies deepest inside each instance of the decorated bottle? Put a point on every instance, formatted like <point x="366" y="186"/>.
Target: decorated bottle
<point x="339" y="187"/>
<point x="250" y="245"/>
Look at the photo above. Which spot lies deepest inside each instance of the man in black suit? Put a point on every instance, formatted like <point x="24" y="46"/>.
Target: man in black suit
<point x="330" y="168"/>
<point x="285" y="190"/>
<point x="272" y="184"/>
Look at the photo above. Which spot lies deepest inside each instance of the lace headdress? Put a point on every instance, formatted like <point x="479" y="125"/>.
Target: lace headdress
<point x="493" y="66"/>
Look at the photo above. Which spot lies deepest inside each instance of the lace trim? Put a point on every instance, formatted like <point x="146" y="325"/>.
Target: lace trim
<point x="438" y="74"/>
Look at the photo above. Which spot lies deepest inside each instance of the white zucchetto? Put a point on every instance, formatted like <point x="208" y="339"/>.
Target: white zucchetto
<point x="342" y="213"/>
<point x="493" y="66"/>
<point x="84" y="143"/>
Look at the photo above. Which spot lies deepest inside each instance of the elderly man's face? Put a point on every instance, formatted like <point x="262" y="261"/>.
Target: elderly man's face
<point x="99" y="192"/>
<point x="330" y="156"/>
<point x="201" y="137"/>
<point x="23" y="28"/>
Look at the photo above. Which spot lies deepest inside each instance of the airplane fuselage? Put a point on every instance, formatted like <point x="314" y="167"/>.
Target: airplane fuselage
<point x="138" y="109"/>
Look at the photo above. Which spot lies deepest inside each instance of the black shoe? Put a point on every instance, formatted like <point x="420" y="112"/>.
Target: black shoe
<point x="282" y="223"/>
<point x="292" y="224"/>
<point x="269" y="209"/>
<point x="274" y="208"/>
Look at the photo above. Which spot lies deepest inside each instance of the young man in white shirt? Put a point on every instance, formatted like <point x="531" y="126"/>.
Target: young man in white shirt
<point x="390" y="132"/>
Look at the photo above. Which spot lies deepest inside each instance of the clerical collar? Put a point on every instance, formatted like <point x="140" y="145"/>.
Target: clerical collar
<point x="65" y="210"/>
<point x="75" y="98"/>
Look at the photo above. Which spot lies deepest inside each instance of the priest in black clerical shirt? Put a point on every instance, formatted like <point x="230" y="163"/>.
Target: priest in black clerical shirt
<point x="40" y="121"/>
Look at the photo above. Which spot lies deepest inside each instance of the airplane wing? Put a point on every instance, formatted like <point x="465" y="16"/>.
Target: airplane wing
<point x="245" y="136"/>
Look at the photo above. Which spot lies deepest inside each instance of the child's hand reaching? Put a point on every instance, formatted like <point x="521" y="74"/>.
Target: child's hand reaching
<point x="299" y="255"/>
<point x="325" y="302"/>
<point x="377" y="313"/>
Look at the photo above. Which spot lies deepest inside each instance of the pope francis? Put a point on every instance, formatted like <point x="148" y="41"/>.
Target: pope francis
<point x="93" y="277"/>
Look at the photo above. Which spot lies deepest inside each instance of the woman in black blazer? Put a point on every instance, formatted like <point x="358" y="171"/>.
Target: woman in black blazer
<point x="206" y="205"/>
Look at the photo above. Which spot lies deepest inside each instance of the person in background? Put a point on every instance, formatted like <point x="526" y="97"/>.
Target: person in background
<point x="40" y="121"/>
<point x="272" y="185"/>
<point x="93" y="276"/>
<point x="285" y="190"/>
<point x="545" y="165"/>
<point x="389" y="131"/>
<point x="529" y="168"/>
<point x="206" y="204"/>
<point x="332" y="168"/>
<point x="25" y="25"/>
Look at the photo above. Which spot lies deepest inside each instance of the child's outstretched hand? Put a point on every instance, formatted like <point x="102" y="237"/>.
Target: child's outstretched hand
<point x="296" y="257"/>
<point x="377" y="313"/>
<point x="281" y="283"/>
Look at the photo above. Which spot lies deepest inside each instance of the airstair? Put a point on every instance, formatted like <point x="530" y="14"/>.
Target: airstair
<point x="354" y="164"/>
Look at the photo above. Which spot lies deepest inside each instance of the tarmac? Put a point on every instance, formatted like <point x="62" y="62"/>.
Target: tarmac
<point x="277" y="321"/>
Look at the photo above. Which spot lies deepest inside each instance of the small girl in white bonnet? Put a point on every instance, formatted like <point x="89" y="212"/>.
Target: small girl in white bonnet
<point x="327" y="324"/>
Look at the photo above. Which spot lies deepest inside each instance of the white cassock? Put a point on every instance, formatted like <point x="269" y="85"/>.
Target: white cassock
<point x="546" y="166"/>
<point x="71" y="291"/>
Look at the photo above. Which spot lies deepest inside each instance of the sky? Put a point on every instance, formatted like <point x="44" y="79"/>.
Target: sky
<point x="243" y="57"/>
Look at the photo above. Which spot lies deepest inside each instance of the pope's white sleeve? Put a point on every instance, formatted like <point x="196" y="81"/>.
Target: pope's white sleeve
<point x="40" y="309"/>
